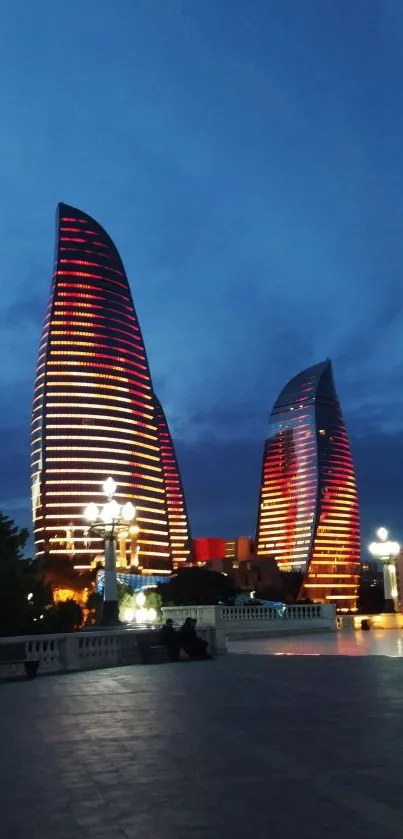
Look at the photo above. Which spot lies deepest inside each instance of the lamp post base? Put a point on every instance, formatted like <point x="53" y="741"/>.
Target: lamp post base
<point x="110" y="613"/>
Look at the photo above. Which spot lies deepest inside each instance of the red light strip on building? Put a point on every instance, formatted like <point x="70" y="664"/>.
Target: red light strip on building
<point x="104" y="383"/>
<point x="308" y="513"/>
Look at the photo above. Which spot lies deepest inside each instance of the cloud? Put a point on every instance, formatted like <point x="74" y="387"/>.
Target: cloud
<point x="221" y="482"/>
<point x="256" y="205"/>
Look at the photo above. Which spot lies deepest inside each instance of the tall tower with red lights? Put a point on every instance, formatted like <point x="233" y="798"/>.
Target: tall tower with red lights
<point x="94" y="411"/>
<point x="180" y="538"/>
<point x="308" y="517"/>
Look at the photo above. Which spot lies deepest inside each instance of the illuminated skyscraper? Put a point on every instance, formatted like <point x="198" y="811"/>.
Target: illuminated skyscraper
<point x="308" y="517"/>
<point x="179" y="531"/>
<point x="93" y="413"/>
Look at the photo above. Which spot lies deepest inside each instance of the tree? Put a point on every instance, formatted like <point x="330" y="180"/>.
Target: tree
<point x="291" y="583"/>
<point x="153" y="600"/>
<point x="196" y="586"/>
<point x="12" y="540"/>
<point x="127" y="604"/>
<point x="59" y="571"/>
<point x="66" y="616"/>
<point x="24" y="595"/>
<point x="270" y="593"/>
<point x="94" y="605"/>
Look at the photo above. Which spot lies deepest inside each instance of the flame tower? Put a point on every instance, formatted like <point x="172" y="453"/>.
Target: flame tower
<point x="94" y="412"/>
<point x="308" y="517"/>
<point x="181" y="542"/>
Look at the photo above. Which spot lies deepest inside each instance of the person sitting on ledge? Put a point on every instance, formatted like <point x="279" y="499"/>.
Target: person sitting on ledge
<point x="171" y="640"/>
<point x="194" y="647"/>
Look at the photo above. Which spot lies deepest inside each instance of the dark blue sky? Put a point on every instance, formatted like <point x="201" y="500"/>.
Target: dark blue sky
<point x="245" y="156"/>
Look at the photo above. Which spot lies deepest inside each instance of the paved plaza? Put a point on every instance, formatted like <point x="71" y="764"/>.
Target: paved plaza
<point x="243" y="746"/>
<point x="375" y="642"/>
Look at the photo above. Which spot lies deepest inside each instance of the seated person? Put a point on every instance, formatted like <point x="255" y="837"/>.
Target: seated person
<point x="170" y="638"/>
<point x="190" y="642"/>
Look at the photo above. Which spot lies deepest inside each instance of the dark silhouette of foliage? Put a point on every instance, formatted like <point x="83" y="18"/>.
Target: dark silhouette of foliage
<point x="94" y="605"/>
<point x="197" y="586"/>
<point x="24" y="595"/>
<point x="270" y="593"/>
<point x="59" y="571"/>
<point x="66" y="616"/>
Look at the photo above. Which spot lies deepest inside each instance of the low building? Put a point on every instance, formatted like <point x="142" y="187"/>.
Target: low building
<point x="207" y="549"/>
<point x="212" y="548"/>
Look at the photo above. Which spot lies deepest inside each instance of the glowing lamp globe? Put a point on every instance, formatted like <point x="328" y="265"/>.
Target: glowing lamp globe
<point x="109" y="487"/>
<point x="128" y="511"/>
<point x="110" y="512"/>
<point x="91" y="512"/>
<point x="384" y="550"/>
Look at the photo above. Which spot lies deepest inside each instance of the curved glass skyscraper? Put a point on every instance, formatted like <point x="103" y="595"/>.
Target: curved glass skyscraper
<point x="179" y="531"/>
<point x="308" y="516"/>
<point x="94" y="410"/>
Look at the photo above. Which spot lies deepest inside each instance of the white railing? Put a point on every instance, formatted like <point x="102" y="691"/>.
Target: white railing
<point x="204" y="615"/>
<point x="116" y="647"/>
<point x="272" y="613"/>
<point x="84" y="650"/>
<point x="79" y="650"/>
<point x="231" y="620"/>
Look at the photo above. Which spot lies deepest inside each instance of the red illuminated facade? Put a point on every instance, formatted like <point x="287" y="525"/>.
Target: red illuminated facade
<point x="308" y="517"/>
<point x="208" y="548"/>
<point x="180" y="540"/>
<point x="94" y="411"/>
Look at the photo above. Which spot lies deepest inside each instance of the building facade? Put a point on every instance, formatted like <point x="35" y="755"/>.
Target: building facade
<point x="308" y="518"/>
<point x="178" y="522"/>
<point x="207" y="548"/>
<point x="94" y="410"/>
<point x="228" y="552"/>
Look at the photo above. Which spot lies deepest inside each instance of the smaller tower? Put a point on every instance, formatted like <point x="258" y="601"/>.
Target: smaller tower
<point x="308" y="518"/>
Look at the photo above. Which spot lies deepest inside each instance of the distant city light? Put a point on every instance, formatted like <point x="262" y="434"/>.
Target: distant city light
<point x="386" y="551"/>
<point x="146" y="615"/>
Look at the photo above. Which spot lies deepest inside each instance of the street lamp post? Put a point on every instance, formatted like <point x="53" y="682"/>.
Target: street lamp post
<point x="109" y="521"/>
<point x="387" y="551"/>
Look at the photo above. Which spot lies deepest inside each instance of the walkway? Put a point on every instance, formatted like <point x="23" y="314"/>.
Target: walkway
<point x="387" y="642"/>
<point x="256" y="746"/>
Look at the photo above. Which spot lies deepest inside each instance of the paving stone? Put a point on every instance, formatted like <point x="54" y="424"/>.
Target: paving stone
<point x="241" y="746"/>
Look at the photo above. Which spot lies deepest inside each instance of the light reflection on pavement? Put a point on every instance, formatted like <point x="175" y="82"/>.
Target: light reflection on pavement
<point x="387" y="642"/>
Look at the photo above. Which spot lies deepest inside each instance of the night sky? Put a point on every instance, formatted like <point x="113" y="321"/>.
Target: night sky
<point x="245" y="156"/>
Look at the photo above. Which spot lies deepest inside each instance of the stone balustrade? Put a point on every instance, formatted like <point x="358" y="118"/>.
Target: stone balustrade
<point x="86" y="650"/>
<point x="245" y="621"/>
<point x="117" y="647"/>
